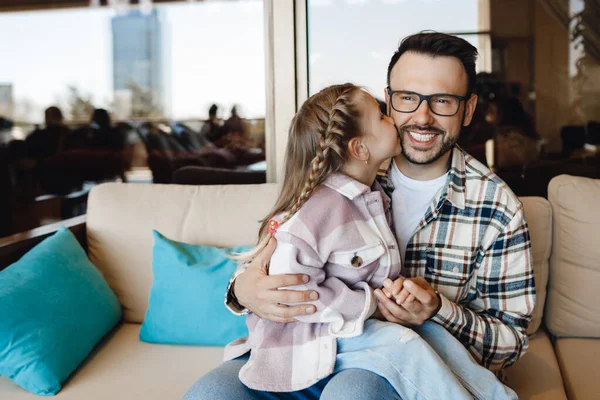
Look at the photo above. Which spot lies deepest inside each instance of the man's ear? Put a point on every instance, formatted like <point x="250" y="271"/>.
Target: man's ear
<point x="471" y="104"/>
<point x="357" y="149"/>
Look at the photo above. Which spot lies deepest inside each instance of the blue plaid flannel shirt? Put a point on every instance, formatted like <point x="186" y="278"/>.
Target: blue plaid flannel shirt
<point x="473" y="247"/>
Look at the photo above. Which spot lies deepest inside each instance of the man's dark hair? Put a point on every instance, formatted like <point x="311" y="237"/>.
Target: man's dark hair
<point x="439" y="44"/>
<point x="213" y="110"/>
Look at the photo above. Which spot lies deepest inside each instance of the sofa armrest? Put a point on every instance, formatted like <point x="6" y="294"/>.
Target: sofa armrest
<point x="12" y="248"/>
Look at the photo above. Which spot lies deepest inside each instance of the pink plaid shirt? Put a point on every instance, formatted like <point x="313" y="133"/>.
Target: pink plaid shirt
<point x="342" y="239"/>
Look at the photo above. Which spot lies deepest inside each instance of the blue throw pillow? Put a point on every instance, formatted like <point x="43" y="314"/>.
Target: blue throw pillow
<point x="186" y="300"/>
<point x="54" y="307"/>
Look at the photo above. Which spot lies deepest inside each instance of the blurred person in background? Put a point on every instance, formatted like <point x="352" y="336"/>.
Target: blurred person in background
<point x="212" y="129"/>
<point x="49" y="141"/>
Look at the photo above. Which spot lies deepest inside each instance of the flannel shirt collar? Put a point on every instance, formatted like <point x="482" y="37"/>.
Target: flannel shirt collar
<point x="351" y="188"/>
<point x="456" y="189"/>
<point x="457" y="179"/>
<point x="346" y="186"/>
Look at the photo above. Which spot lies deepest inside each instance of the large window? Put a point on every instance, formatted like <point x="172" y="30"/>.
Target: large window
<point x="353" y="40"/>
<point x="186" y="55"/>
<point x="133" y="94"/>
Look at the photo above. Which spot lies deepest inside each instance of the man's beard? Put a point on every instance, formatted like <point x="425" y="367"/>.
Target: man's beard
<point x="446" y="143"/>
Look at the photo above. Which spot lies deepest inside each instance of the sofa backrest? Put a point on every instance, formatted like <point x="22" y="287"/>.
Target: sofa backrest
<point x="573" y="310"/>
<point x="121" y="218"/>
<point x="538" y="214"/>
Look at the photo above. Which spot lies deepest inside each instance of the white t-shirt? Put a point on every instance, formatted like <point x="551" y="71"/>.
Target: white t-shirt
<point x="410" y="201"/>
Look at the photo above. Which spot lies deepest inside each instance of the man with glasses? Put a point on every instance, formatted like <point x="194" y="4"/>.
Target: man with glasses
<point x="462" y="234"/>
<point x="461" y="231"/>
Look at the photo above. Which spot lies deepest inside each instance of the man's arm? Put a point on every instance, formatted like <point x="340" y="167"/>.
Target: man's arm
<point x="495" y="334"/>
<point x="344" y="309"/>
<point x="258" y="292"/>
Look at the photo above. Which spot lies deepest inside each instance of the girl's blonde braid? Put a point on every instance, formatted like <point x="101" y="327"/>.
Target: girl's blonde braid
<point x="329" y="141"/>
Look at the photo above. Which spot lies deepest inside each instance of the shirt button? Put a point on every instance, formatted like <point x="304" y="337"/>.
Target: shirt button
<point x="455" y="269"/>
<point x="356" y="261"/>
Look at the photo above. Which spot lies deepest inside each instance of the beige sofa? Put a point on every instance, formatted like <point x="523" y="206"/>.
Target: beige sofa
<point x="565" y="233"/>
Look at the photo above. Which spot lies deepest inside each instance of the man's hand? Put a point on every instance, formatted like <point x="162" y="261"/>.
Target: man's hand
<point x="258" y="291"/>
<point x="410" y="302"/>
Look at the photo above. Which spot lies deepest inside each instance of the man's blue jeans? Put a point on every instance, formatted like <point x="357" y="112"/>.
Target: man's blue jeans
<point x="222" y="383"/>
<point x="428" y="364"/>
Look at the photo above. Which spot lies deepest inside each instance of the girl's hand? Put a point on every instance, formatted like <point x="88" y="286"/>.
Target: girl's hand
<point x="424" y="303"/>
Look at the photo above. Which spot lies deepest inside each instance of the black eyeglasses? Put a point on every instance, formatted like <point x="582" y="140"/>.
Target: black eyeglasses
<point x="443" y="104"/>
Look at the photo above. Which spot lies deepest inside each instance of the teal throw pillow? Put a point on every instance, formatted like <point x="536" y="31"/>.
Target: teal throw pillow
<point x="54" y="307"/>
<point x="186" y="300"/>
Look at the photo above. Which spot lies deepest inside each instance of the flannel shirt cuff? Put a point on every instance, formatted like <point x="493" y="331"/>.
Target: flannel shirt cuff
<point x="355" y="327"/>
<point x="445" y="312"/>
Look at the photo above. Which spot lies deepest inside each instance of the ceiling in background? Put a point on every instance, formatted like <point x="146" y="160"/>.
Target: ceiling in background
<point x="25" y="5"/>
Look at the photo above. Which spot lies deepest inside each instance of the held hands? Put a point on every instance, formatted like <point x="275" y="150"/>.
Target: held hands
<point x="258" y="291"/>
<point x="407" y="301"/>
<point x="403" y="301"/>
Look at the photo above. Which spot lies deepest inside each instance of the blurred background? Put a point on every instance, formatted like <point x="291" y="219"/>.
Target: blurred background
<point x="178" y="91"/>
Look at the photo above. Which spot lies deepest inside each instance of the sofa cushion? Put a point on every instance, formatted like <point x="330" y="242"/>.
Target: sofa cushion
<point x="539" y="219"/>
<point x="186" y="300"/>
<point x="138" y="370"/>
<point x="54" y="307"/>
<point x="125" y="368"/>
<point x="572" y="305"/>
<point x="578" y="360"/>
<point x="121" y="218"/>
<point x="536" y="376"/>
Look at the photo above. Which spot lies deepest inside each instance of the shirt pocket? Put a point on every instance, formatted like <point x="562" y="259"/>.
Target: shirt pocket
<point x="359" y="258"/>
<point x="353" y="266"/>
<point x="450" y="271"/>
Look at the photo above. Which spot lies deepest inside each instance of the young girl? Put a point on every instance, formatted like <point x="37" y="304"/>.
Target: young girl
<point x="332" y="222"/>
